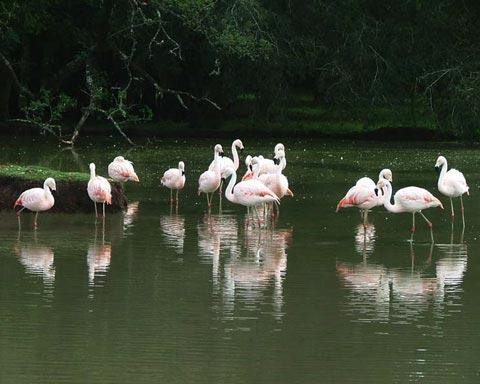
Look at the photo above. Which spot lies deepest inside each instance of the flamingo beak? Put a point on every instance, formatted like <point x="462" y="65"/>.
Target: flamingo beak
<point x="276" y="161"/>
<point x="376" y="191"/>
<point x="221" y="154"/>
<point x="437" y="169"/>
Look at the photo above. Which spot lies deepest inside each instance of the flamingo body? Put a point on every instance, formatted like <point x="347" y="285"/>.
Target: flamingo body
<point x="37" y="199"/>
<point x="99" y="190"/>
<point x="226" y="162"/>
<point x="360" y="197"/>
<point x="121" y="170"/>
<point x="451" y="183"/>
<point x="174" y="178"/>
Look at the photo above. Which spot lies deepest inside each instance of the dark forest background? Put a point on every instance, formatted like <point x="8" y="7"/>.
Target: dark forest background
<point x="323" y="64"/>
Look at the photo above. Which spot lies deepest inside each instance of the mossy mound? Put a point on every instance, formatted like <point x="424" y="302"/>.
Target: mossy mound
<point x="71" y="194"/>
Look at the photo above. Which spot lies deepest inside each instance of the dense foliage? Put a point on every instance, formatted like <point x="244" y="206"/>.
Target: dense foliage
<point x="125" y="61"/>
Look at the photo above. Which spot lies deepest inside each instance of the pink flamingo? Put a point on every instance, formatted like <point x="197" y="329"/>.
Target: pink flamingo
<point x="451" y="183"/>
<point x="277" y="182"/>
<point x="361" y="197"/>
<point x="209" y="181"/>
<point x="121" y="170"/>
<point x="37" y="200"/>
<point x="174" y="178"/>
<point x="249" y="193"/>
<point x="99" y="190"/>
<point x="409" y="199"/>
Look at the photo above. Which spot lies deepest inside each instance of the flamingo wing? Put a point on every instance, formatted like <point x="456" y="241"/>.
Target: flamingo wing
<point x="455" y="181"/>
<point x="358" y="196"/>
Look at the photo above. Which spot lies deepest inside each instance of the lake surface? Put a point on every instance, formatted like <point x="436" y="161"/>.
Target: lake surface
<point x="187" y="297"/>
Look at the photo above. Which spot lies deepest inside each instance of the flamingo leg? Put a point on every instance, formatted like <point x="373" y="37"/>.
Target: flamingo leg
<point x="103" y="204"/>
<point x="258" y="216"/>
<point x="429" y="224"/>
<point x="451" y="206"/>
<point x="35" y="223"/>
<point x="365" y="217"/>
<point x="176" y="197"/>
<point x="413" y="226"/>
<point x="18" y="216"/>
<point x="95" y="205"/>
<point x="463" y="211"/>
<point x="171" y="196"/>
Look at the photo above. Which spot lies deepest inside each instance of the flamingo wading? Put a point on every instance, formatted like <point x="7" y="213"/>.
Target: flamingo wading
<point x="174" y="178"/>
<point x="99" y="190"/>
<point x="451" y="183"/>
<point x="37" y="200"/>
<point x="209" y="181"/>
<point x="409" y="199"/>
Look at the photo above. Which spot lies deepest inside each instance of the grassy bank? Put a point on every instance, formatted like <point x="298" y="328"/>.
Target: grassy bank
<point x="70" y="196"/>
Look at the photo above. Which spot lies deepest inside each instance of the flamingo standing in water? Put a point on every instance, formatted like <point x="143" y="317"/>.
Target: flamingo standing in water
<point x="209" y="181"/>
<point x="451" y="183"/>
<point x="360" y="195"/>
<point x="174" y="178"/>
<point x="99" y="190"/>
<point x="37" y="200"/>
<point x="409" y="199"/>
<point x="226" y="162"/>
<point x="266" y="165"/>
<point x="249" y="193"/>
<point x="121" y="170"/>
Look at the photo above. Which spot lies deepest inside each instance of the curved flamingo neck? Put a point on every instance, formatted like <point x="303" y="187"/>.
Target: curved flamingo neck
<point x="92" y="173"/>
<point x="236" y="160"/>
<point x="229" y="191"/>
<point x="443" y="172"/>
<point x="394" y="208"/>
<point x="46" y="188"/>
<point x="281" y="165"/>
<point x="216" y="159"/>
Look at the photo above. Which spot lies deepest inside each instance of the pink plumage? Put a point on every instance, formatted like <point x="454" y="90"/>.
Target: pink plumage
<point x="121" y="170"/>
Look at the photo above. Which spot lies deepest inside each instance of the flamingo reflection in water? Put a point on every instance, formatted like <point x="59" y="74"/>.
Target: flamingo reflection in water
<point x="216" y="233"/>
<point x="98" y="258"/>
<point x="248" y="278"/>
<point x="173" y="231"/>
<point x="380" y="293"/>
<point x="37" y="259"/>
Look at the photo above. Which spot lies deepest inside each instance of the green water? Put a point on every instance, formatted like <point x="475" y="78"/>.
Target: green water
<point x="195" y="298"/>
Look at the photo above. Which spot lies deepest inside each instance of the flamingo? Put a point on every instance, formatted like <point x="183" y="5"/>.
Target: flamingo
<point x="121" y="170"/>
<point x="359" y="196"/>
<point x="369" y="183"/>
<point x="99" y="190"/>
<point x="174" y="178"/>
<point x="226" y="162"/>
<point x="451" y="183"/>
<point x="409" y="199"/>
<point x="248" y="164"/>
<point x="268" y="165"/>
<point x="37" y="200"/>
<point x="249" y="193"/>
<point x="209" y="181"/>
<point x="277" y="182"/>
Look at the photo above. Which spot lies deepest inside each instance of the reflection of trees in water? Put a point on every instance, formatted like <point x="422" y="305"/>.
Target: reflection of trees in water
<point x="381" y="293"/>
<point x="253" y="270"/>
<point x="173" y="231"/>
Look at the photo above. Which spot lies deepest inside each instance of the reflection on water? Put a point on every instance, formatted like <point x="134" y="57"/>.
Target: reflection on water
<point x="365" y="239"/>
<point x="37" y="259"/>
<point x="251" y="271"/>
<point x="380" y="293"/>
<point x="98" y="259"/>
<point x="129" y="216"/>
<point x="173" y="231"/>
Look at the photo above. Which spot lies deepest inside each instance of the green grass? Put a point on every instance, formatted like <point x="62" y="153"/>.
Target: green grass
<point x="34" y="172"/>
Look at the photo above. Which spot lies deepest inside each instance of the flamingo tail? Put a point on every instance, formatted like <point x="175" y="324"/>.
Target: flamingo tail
<point x="17" y="202"/>
<point x="343" y="202"/>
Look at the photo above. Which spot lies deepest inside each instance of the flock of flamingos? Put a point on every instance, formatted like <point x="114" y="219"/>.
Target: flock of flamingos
<point x="262" y="186"/>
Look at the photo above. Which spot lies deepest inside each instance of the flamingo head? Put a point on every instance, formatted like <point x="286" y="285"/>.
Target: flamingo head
<point x="441" y="161"/>
<point x="50" y="183"/>
<point x="219" y="149"/>
<point x="92" y="167"/>
<point x="181" y="167"/>
<point x="248" y="161"/>
<point x="386" y="174"/>
<point x="238" y="143"/>
<point x="382" y="183"/>
<point x="279" y="147"/>
<point x="119" y="158"/>
<point x="279" y="156"/>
